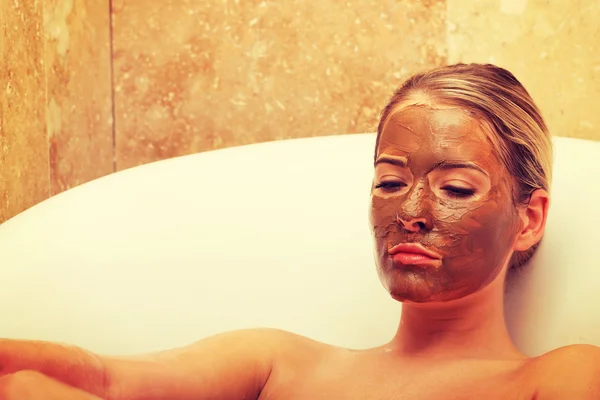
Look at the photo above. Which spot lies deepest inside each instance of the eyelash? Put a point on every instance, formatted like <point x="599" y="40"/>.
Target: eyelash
<point x="390" y="185"/>
<point x="451" y="191"/>
<point x="457" y="192"/>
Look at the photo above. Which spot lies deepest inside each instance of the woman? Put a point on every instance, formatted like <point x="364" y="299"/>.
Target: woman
<point x="459" y="198"/>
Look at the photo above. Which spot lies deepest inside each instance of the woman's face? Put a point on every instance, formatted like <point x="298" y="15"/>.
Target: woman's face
<point x="438" y="183"/>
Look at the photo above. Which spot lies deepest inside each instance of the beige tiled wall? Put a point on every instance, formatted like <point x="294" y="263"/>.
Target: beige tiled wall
<point x="24" y="175"/>
<point x="78" y="85"/>
<point x="55" y="114"/>
<point x="185" y="76"/>
<point x="226" y="73"/>
<point x="553" y="47"/>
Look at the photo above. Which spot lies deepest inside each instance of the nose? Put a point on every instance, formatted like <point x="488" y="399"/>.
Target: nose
<point x="413" y="224"/>
<point x="416" y="213"/>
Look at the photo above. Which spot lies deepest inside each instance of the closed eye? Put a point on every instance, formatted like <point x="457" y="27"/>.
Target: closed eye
<point x="390" y="185"/>
<point x="458" y="192"/>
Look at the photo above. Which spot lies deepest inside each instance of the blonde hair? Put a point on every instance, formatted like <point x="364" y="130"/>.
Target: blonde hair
<point x="518" y="132"/>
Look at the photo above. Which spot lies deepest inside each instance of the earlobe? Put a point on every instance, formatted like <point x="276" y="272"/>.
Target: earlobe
<point x="533" y="217"/>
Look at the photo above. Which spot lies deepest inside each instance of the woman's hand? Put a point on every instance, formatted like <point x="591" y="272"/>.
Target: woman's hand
<point x="32" y="385"/>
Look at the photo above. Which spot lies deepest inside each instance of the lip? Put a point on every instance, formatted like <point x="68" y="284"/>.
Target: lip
<point x="414" y="254"/>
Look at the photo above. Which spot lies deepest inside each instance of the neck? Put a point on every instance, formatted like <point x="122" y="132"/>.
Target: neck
<point x="471" y="327"/>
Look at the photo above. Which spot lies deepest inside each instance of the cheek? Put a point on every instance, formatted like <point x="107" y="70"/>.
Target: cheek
<point x="483" y="230"/>
<point x="459" y="228"/>
<point x="382" y="215"/>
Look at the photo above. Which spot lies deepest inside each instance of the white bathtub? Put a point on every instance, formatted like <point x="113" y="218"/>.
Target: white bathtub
<point x="271" y="234"/>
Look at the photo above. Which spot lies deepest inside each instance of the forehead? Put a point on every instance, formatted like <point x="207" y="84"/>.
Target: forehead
<point x="444" y="132"/>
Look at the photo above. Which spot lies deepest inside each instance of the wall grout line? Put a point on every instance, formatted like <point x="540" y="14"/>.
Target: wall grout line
<point x="447" y="33"/>
<point x="45" y="61"/>
<point x="112" y="84"/>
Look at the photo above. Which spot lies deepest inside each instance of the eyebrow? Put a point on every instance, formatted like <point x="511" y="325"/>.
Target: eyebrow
<point x="442" y="165"/>
<point x="394" y="160"/>
<point x="447" y="165"/>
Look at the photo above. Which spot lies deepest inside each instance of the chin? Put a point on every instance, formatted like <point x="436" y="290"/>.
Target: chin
<point x="434" y="298"/>
<point x="420" y="298"/>
<point x="421" y="293"/>
<point x="421" y="286"/>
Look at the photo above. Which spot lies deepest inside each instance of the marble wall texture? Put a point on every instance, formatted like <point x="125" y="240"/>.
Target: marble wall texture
<point x="91" y="87"/>
<point x="56" y="128"/>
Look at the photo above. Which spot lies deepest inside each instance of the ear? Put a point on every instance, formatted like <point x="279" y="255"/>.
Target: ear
<point x="533" y="220"/>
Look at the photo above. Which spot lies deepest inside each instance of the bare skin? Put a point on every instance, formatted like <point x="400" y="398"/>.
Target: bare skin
<point x="452" y="341"/>
<point x="32" y="385"/>
<point x="270" y="364"/>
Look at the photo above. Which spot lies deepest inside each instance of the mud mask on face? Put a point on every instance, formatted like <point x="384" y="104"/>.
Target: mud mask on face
<point x="438" y="183"/>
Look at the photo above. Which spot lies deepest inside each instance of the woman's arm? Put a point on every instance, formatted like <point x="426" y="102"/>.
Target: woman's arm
<point x="68" y="364"/>
<point x="34" y="385"/>
<point x="230" y="365"/>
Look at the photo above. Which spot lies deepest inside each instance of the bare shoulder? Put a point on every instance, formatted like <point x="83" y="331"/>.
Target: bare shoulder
<point x="293" y="347"/>
<point x="573" y="360"/>
<point x="569" y="372"/>
<point x="228" y="365"/>
<point x="275" y="341"/>
<point x="263" y="342"/>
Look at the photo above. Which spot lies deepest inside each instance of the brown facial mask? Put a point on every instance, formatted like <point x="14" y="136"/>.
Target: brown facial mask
<point x="438" y="183"/>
